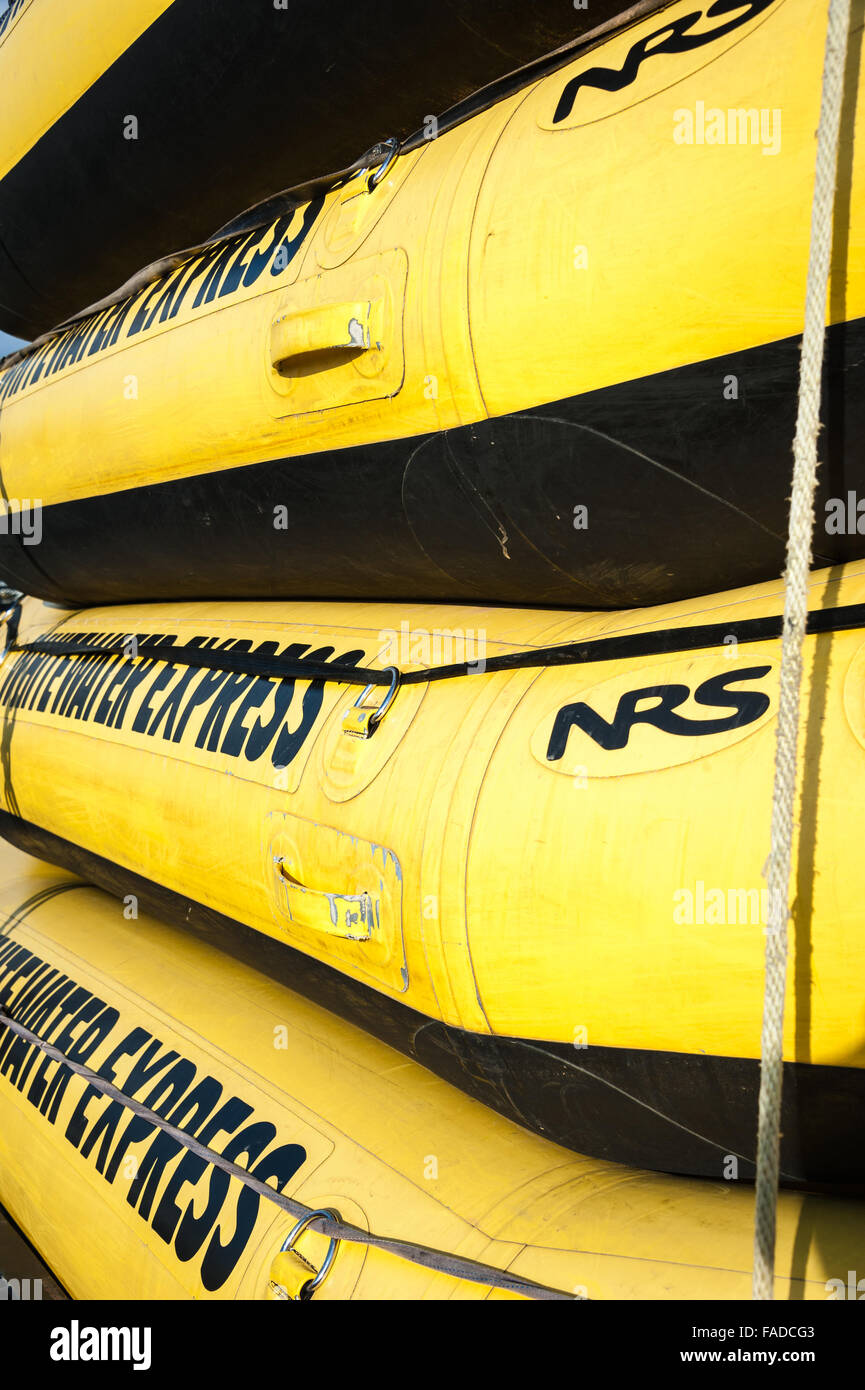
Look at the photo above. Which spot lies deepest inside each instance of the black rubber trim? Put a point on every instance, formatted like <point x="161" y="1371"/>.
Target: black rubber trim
<point x="685" y="492"/>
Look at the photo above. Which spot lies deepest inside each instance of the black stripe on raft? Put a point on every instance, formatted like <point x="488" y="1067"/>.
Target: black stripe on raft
<point x="622" y="647"/>
<point x="232" y="103"/>
<point x="686" y="494"/>
<point x="674" y="1112"/>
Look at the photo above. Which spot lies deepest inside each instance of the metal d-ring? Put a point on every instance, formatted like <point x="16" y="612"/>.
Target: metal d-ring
<point x="296" y="1231"/>
<point x="375" y="178"/>
<point x="378" y="714"/>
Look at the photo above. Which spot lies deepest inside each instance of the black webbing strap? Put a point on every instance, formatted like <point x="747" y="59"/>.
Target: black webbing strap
<point x="621" y="647"/>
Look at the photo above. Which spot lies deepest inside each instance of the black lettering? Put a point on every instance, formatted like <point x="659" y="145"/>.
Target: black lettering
<point x="130" y="684"/>
<point x="219" y="1260"/>
<point x="234" y="739"/>
<point x="175" y="1083"/>
<point x="55" y="1091"/>
<point x="210" y="284"/>
<point x="135" y="1132"/>
<point x="290" y="245"/>
<point x="41" y="1003"/>
<point x="204" y="691"/>
<point x="194" y="1230"/>
<point x="15" y="1054"/>
<point x="79" y="1119"/>
<point x="260" y="735"/>
<point x="118" y="676"/>
<point x="151" y="1167"/>
<point x="28" y="964"/>
<point x="282" y="1164"/>
<point x="673" y="38"/>
<point x="132" y="1043"/>
<point x="173" y="702"/>
<point x="39" y="984"/>
<point x="748" y="705"/>
<point x="290" y="741"/>
<point x="144" y="301"/>
<point x="105" y="1128"/>
<point x="200" y="1103"/>
<point x="167" y="1214"/>
<point x="95" y="1033"/>
<point x="235" y="271"/>
<point x="139" y="724"/>
<point x="105" y="1125"/>
<point x="145" y="1068"/>
<point x="261" y="259"/>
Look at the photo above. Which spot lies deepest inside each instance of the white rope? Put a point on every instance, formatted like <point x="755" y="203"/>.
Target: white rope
<point x="799" y="541"/>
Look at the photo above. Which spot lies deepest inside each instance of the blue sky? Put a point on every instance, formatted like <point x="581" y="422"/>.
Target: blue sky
<point x="7" y="344"/>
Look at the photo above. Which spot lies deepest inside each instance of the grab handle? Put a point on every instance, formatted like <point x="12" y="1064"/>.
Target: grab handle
<point x="351" y="916"/>
<point x="325" y="328"/>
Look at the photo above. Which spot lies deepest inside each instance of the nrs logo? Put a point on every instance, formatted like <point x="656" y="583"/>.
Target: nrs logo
<point x="620" y="727"/>
<point x="664" y="54"/>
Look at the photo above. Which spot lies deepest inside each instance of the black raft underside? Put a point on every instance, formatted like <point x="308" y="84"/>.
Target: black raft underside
<point x="685" y="490"/>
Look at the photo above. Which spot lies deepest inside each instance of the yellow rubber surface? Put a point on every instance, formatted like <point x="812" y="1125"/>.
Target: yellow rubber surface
<point x="334" y="1117"/>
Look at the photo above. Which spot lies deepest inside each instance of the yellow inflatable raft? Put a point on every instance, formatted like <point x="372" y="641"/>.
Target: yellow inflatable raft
<point x="547" y="357"/>
<point x="327" y="1117"/>
<point x="532" y="847"/>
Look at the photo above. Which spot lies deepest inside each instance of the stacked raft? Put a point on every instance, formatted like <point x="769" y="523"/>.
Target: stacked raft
<point x="330" y="1117"/>
<point x="259" y="698"/>
<point x="550" y="357"/>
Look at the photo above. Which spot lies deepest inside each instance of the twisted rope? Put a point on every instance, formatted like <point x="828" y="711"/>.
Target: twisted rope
<point x="799" y="543"/>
